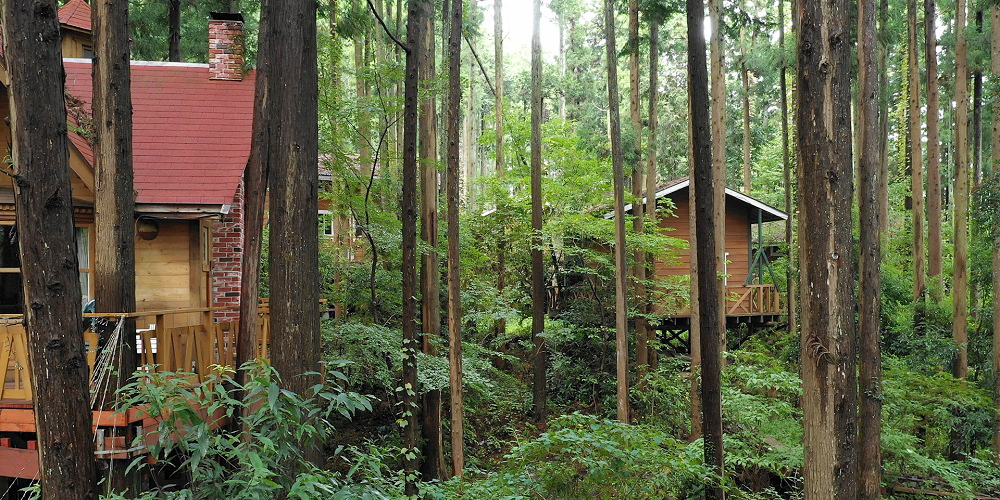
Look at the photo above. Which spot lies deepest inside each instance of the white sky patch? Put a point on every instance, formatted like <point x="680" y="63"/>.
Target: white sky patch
<point x="518" y="25"/>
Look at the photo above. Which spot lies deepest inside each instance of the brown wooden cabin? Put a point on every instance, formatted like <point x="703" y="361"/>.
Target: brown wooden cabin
<point x="749" y="302"/>
<point x="191" y="141"/>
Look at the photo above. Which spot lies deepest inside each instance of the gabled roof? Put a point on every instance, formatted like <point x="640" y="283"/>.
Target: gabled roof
<point x="769" y="213"/>
<point x="190" y="134"/>
<point x="75" y="14"/>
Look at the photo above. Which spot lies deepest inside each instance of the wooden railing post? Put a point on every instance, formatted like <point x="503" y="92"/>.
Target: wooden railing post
<point x="164" y="346"/>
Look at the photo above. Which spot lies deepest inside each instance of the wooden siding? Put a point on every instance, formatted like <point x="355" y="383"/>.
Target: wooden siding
<point x="169" y="273"/>
<point x="74" y="43"/>
<point x="738" y="226"/>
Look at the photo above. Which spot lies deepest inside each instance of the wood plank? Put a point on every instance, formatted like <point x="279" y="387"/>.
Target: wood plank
<point x="19" y="463"/>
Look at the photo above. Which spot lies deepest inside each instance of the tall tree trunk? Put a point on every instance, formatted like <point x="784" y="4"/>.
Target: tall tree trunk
<point x="363" y="118"/>
<point x="787" y="171"/>
<point x="977" y="127"/>
<point x="618" y="176"/>
<point x="562" y="66"/>
<point x="293" y="155"/>
<point x="695" y="321"/>
<point x="718" y="154"/>
<point x="649" y="261"/>
<point x="870" y="300"/>
<point x="933" y="153"/>
<point x="745" y="79"/>
<point x="49" y="271"/>
<point x="255" y="179"/>
<point x="710" y="328"/>
<point x="114" y="195"/>
<point x="430" y="272"/>
<point x="995" y="152"/>
<point x="454" y="290"/>
<point x="960" y="280"/>
<point x="639" y="268"/>
<point x="539" y="389"/>
<point x="823" y="127"/>
<point x="415" y="26"/>
<point x="501" y="327"/>
<point x="883" y="186"/>
<point x="916" y="156"/>
<point x="174" y="20"/>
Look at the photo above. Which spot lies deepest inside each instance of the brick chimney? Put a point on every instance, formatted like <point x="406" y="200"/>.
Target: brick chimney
<point x="225" y="46"/>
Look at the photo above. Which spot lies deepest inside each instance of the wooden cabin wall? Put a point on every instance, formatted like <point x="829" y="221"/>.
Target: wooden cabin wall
<point x="74" y="43"/>
<point x="169" y="273"/>
<point x="737" y="241"/>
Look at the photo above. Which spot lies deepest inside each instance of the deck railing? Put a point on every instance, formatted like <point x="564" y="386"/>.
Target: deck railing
<point x="753" y="300"/>
<point x="750" y="300"/>
<point x="190" y="349"/>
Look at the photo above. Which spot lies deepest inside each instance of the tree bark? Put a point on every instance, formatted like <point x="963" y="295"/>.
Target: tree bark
<point x="933" y="152"/>
<point x="916" y="156"/>
<point x="454" y="284"/>
<point x="293" y="156"/>
<point x="977" y="129"/>
<point x="618" y="176"/>
<point x="960" y="280"/>
<point x="718" y="154"/>
<point x="883" y="187"/>
<point x="433" y="464"/>
<point x="787" y="171"/>
<point x="49" y="271"/>
<point x="650" y="262"/>
<point x="710" y="328"/>
<point x="363" y="118"/>
<point x="695" y="322"/>
<point x="114" y="196"/>
<point x="501" y="327"/>
<point x="870" y="300"/>
<point x="415" y="26"/>
<point x="745" y="79"/>
<point x="995" y="152"/>
<point x="823" y="128"/>
<point x="174" y="21"/>
<point x="539" y="390"/>
<point x="255" y="180"/>
<point x="635" y="115"/>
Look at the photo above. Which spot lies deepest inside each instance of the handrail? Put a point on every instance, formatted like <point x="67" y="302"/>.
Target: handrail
<point x="190" y="348"/>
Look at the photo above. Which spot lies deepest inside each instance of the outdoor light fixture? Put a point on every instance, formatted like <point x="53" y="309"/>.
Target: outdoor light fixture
<point x="147" y="228"/>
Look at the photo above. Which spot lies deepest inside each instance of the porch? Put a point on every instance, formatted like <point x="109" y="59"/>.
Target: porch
<point x="750" y="307"/>
<point x="194" y="349"/>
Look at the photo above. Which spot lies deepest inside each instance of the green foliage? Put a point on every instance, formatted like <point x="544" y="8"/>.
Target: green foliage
<point x="583" y="456"/>
<point x="280" y="425"/>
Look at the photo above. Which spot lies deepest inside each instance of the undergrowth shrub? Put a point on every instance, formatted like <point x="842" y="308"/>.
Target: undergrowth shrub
<point x="585" y="456"/>
<point x="214" y="463"/>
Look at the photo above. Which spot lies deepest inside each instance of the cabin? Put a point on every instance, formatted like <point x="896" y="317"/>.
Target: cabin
<point x="753" y="299"/>
<point x="191" y="141"/>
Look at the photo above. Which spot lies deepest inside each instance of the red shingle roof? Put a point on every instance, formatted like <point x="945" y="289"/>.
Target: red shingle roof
<point x="190" y="135"/>
<point x="76" y="14"/>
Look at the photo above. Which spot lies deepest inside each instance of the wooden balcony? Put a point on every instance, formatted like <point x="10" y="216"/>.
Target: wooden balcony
<point x="741" y="301"/>
<point x="753" y="300"/>
<point x="193" y="349"/>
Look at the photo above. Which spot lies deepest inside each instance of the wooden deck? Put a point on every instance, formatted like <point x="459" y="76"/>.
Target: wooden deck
<point x="742" y="301"/>
<point x="751" y="307"/>
<point x="191" y="349"/>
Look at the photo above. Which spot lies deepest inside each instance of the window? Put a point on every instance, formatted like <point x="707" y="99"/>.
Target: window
<point x="11" y="301"/>
<point x="11" y="298"/>
<point x="88" y="52"/>
<point x="83" y="255"/>
<point x="326" y="222"/>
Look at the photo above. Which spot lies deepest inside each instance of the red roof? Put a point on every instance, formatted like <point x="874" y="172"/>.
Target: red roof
<point x="75" y="14"/>
<point x="190" y="135"/>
